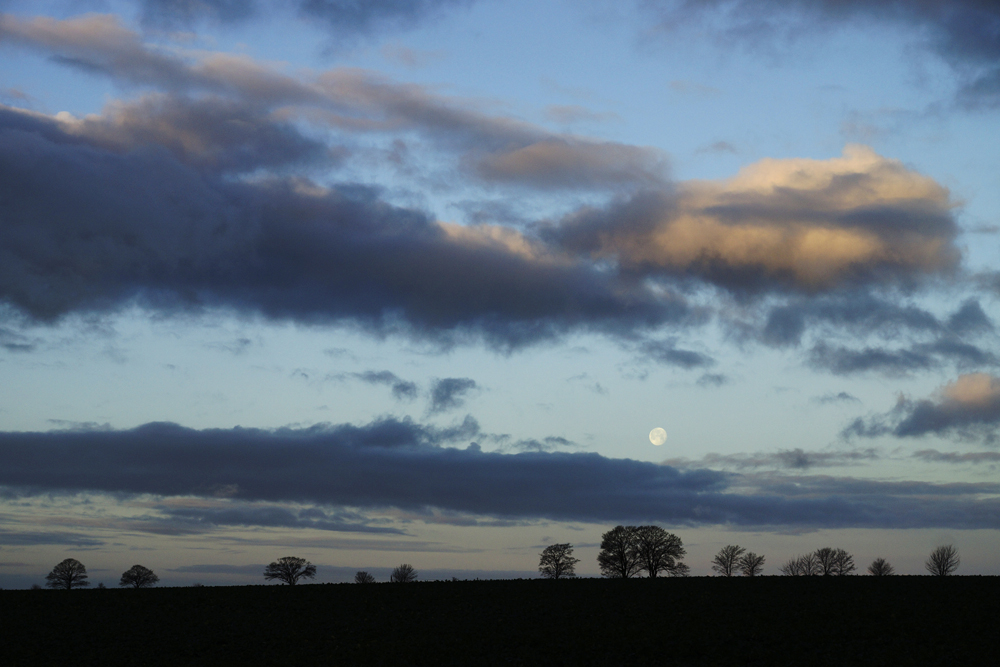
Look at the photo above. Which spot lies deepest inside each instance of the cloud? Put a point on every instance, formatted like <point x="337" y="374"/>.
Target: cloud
<point x="274" y="517"/>
<point x="449" y="393"/>
<point x="899" y="361"/>
<point x="968" y="408"/>
<point x="401" y="464"/>
<point x="400" y="388"/>
<point x="712" y="380"/>
<point x="840" y="397"/>
<point x="666" y="352"/>
<point x="108" y="229"/>
<point x="344" y="17"/>
<point x="799" y="225"/>
<point x="795" y="459"/>
<point x="975" y="458"/>
<point x="963" y="32"/>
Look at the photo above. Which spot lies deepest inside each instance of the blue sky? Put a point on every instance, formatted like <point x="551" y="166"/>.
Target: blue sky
<point x="412" y="282"/>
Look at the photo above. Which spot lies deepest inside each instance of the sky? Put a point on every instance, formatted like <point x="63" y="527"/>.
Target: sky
<point x="412" y="282"/>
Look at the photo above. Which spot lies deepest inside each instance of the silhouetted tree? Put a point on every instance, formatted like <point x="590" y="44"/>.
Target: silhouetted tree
<point x="289" y="570"/>
<point x="880" y="568"/>
<point x="138" y="576"/>
<point x="943" y="561"/>
<point x="680" y="570"/>
<point x="619" y="556"/>
<point x="68" y="574"/>
<point x="363" y="577"/>
<point x="802" y="566"/>
<point x="658" y="550"/>
<point x="751" y="564"/>
<point x="726" y="560"/>
<point x="557" y="561"/>
<point x="403" y="574"/>
<point x="834" y="562"/>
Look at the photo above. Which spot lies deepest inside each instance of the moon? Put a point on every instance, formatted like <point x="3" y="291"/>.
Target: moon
<point x="657" y="436"/>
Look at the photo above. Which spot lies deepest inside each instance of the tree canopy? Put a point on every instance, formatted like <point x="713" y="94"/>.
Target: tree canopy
<point x="289" y="570"/>
<point x="68" y="574"/>
<point x="403" y="574"/>
<point x="725" y="562"/>
<point x="557" y="561"/>
<point x="138" y="576"/>
<point x="943" y="561"/>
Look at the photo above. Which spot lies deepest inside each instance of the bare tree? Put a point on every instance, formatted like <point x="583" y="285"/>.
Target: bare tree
<point x="403" y="574"/>
<point x="289" y="570"/>
<point x="658" y="550"/>
<point x="843" y="563"/>
<point x="138" y="576"/>
<point x="680" y="570"/>
<point x="943" y="561"/>
<point x="619" y="556"/>
<point x="363" y="577"/>
<point x="802" y="566"/>
<point x="751" y="564"/>
<point x="825" y="559"/>
<point x="68" y="574"/>
<point x="880" y="568"/>
<point x="725" y="561"/>
<point x="557" y="561"/>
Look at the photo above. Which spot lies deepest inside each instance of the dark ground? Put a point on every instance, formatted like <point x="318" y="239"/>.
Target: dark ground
<point x="697" y="621"/>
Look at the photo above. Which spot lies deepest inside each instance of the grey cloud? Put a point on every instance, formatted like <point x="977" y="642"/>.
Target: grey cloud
<point x="34" y="538"/>
<point x="712" y="380"/>
<point x="275" y="517"/>
<point x="214" y="132"/>
<point x="934" y="456"/>
<point x="963" y="32"/>
<point x="498" y="149"/>
<point x="363" y="17"/>
<point x="110" y="228"/>
<point x="970" y="318"/>
<point x="666" y="352"/>
<point x="400" y="464"/>
<point x="839" y="397"/>
<point x="900" y="361"/>
<point x="186" y="12"/>
<point x="968" y="408"/>
<point x="795" y="459"/>
<point x="400" y="388"/>
<point x="449" y="393"/>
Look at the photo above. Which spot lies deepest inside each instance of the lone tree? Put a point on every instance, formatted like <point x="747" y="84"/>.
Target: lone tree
<point x="751" y="564"/>
<point x="726" y="561"/>
<point x="943" y="561"/>
<point x="403" y="574"/>
<point x="557" y="561"/>
<point x="68" y="574"/>
<point x="290" y="569"/>
<point x="363" y="577"/>
<point x="658" y="550"/>
<point x="619" y="556"/>
<point x="880" y="568"/>
<point x="138" y="576"/>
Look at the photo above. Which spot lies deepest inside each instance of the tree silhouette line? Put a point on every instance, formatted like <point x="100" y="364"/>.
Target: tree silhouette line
<point x="626" y="552"/>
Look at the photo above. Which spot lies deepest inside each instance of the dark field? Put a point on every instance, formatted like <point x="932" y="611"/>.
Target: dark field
<point x="696" y="621"/>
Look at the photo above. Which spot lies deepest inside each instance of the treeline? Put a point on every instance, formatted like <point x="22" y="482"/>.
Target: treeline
<point x="626" y="552"/>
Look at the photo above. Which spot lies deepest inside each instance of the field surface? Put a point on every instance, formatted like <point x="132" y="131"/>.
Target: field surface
<point x="696" y="621"/>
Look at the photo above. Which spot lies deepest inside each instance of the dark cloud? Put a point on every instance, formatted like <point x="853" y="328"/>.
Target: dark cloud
<point x="900" y="361"/>
<point x="968" y="408"/>
<point x="449" y="394"/>
<point x="400" y="464"/>
<point x="186" y="12"/>
<point x="966" y="33"/>
<point x="400" y="388"/>
<point x="34" y="538"/>
<point x="274" y="517"/>
<point x="88" y="229"/>
<point x="666" y="352"/>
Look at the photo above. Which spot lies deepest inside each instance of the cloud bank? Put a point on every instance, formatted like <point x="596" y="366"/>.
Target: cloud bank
<point x="404" y="465"/>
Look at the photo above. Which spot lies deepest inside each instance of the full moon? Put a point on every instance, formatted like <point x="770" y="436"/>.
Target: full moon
<point x="657" y="436"/>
